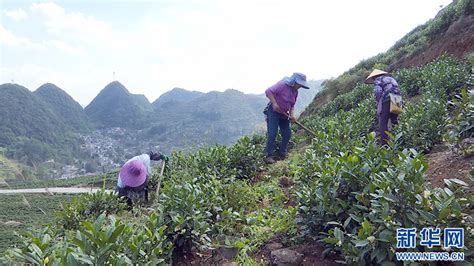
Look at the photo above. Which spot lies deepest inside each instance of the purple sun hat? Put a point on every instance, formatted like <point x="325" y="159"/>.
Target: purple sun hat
<point x="133" y="174"/>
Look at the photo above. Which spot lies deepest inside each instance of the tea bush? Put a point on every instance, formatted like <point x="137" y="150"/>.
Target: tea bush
<point x="88" y="207"/>
<point x="186" y="207"/>
<point x="444" y="75"/>
<point x="104" y="241"/>
<point x="196" y="209"/>
<point x="242" y="160"/>
<point x="460" y="124"/>
<point x="354" y="194"/>
<point x="355" y="200"/>
<point x="410" y="82"/>
<point x="204" y="191"/>
<point x="421" y="125"/>
<point x="346" y="101"/>
<point x="246" y="157"/>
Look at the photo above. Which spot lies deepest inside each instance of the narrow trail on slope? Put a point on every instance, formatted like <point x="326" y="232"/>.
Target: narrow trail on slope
<point x="50" y="190"/>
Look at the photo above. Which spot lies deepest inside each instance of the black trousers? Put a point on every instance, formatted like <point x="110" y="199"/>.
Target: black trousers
<point x="131" y="194"/>
<point x="384" y="117"/>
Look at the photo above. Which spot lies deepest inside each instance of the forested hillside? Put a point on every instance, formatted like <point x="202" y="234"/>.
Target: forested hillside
<point x="115" y="106"/>
<point x="214" y="117"/>
<point x="30" y="130"/>
<point x="64" y="106"/>
<point x="176" y="95"/>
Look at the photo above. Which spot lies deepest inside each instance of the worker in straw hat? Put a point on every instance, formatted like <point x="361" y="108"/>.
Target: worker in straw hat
<point x="279" y="112"/>
<point x="384" y="85"/>
<point x="132" y="181"/>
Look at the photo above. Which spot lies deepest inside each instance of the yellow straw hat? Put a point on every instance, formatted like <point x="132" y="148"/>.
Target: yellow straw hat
<point x="375" y="73"/>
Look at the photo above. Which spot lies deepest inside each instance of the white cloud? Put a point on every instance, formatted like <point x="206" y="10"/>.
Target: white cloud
<point x="68" y="48"/>
<point x="48" y="9"/>
<point x="8" y="39"/>
<point x="74" y="25"/>
<point x="29" y="75"/>
<point x="18" y="14"/>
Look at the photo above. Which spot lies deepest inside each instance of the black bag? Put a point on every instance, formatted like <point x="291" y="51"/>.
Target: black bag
<point x="265" y="111"/>
<point x="133" y="194"/>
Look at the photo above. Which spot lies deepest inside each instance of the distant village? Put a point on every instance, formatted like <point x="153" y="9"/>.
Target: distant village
<point x="106" y="151"/>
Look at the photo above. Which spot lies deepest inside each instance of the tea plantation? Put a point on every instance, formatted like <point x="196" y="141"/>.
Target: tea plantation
<point x="25" y="212"/>
<point x="33" y="210"/>
<point x="338" y="191"/>
<point x="349" y="194"/>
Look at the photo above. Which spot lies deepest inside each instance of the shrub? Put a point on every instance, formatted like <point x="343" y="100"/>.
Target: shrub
<point x="104" y="241"/>
<point x="88" y="207"/>
<point x="187" y="206"/>
<point x="421" y="125"/>
<point x="460" y="124"/>
<point x="246" y="158"/>
<point x="445" y="75"/>
<point x="409" y="81"/>
<point x="194" y="208"/>
<point x="357" y="199"/>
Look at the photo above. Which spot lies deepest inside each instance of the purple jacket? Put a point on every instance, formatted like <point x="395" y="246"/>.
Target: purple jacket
<point x="383" y="85"/>
<point x="284" y="94"/>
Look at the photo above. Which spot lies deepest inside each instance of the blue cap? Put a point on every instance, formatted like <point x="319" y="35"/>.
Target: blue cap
<point x="299" y="78"/>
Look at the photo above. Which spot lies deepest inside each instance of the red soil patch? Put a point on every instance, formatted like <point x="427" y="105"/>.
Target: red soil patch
<point x="444" y="164"/>
<point x="321" y="99"/>
<point x="312" y="253"/>
<point x="258" y="177"/>
<point x="286" y="184"/>
<point x="187" y="256"/>
<point x="457" y="40"/>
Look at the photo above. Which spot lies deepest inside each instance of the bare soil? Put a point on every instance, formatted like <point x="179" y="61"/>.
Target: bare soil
<point x="457" y="40"/>
<point x="186" y="256"/>
<point x="312" y="253"/>
<point x="445" y="164"/>
<point x="286" y="184"/>
<point x="259" y="177"/>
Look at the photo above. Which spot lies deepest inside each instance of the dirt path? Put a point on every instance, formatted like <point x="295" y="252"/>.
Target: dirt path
<point x="61" y="190"/>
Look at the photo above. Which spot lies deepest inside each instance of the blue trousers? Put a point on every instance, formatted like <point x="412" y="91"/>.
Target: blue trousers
<point x="274" y="121"/>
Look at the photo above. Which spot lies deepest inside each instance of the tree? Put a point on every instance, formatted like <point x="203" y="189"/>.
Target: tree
<point x="91" y="166"/>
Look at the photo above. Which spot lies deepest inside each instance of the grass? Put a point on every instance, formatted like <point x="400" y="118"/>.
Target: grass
<point x="9" y="169"/>
<point x="36" y="210"/>
<point x="32" y="211"/>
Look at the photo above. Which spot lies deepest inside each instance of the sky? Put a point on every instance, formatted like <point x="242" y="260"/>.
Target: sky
<point x="204" y="45"/>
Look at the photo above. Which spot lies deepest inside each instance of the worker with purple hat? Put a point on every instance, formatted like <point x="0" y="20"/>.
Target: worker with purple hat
<point x="132" y="181"/>
<point x="280" y="112"/>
